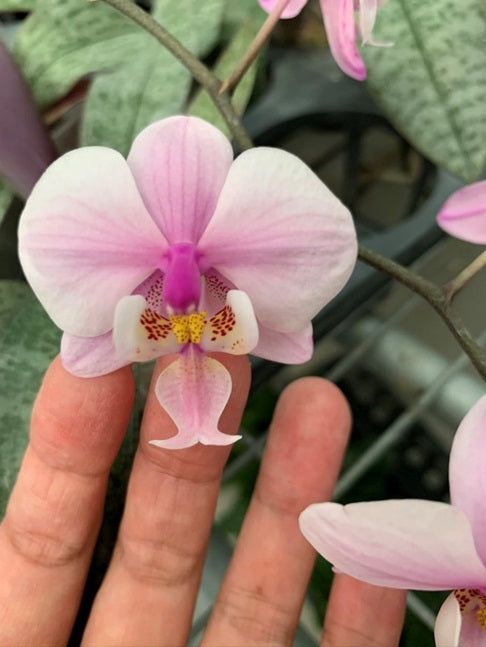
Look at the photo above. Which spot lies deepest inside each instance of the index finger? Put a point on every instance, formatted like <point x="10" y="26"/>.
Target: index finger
<point x="52" y="519"/>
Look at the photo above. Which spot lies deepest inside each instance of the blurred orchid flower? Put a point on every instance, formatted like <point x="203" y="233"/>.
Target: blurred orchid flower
<point x="424" y="545"/>
<point x="463" y="215"/>
<point x="180" y="249"/>
<point x="342" y="28"/>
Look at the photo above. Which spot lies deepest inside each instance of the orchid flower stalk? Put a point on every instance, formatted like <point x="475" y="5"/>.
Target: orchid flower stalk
<point x="180" y="249"/>
<point x="423" y="545"/>
<point x="342" y="28"/>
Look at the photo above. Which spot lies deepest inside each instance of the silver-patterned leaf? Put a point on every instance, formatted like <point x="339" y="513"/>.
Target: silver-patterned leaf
<point x="153" y="84"/>
<point x="432" y="81"/>
<point x="62" y="42"/>
<point x="29" y="342"/>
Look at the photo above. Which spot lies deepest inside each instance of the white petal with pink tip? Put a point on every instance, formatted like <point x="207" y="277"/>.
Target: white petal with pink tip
<point x="278" y="230"/>
<point x="407" y="544"/>
<point x="86" y="239"/>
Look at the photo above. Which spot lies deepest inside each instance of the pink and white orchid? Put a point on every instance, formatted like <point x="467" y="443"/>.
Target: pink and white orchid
<point x="424" y="545"/>
<point x="342" y="29"/>
<point x="463" y="215"/>
<point x="180" y="249"/>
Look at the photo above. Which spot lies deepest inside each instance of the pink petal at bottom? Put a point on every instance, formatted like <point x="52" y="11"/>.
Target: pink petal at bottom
<point x="194" y="390"/>
<point x="90" y="356"/>
<point x="285" y="347"/>
<point x="463" y="215"/>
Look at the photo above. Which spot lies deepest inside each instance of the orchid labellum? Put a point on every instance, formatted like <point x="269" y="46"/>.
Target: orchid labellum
<point x="342" y="28"/>
<point x="425" y="545"/>
<point x="180" y="249"/>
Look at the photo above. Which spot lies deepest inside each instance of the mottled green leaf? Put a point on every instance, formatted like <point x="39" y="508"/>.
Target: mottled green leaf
<point x="238" y="13"/>
<point x="202" y="105"/>
<point x="17" y="5"/>
<point x="61" y="42"/>
<point x="153" y="84"/>
<point x="12" y="295"/>
<point x="28" y="344"/>
<point x="432" y="82"/>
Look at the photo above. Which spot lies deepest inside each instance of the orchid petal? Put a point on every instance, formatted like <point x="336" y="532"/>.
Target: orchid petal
<point x="472" y="633"/>
<point x="90" y="356"/>
<point x="467" y="471"/>
<point x="408" y="544"/>
<point x="463" y="215"/>
<point x="86" y="239"/>
<point x="214" y="292"/>
<point x="284" y="347"/>
<point x="291" y="9"/>
<point x="341" y="35"/>
<point x="281" y="236"/>
<point x="139" y="333"/>
<point x="233" y="329"/>
<point x="448" y="623"/>
<point x="179" y="165"/>
<point x="152" y="290"/>
<point x="194" y="390"/>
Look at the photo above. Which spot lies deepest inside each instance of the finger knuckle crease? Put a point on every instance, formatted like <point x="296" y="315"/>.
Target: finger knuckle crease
<point x="257" y="618"/>
<point x="157" y="561"/>
<point x="43" y="548"/>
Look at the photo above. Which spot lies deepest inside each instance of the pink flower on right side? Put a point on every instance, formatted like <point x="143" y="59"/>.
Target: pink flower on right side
<point x="342" y="29"/>
<point x="422" y="545"/>
<point x="464" y="214"/>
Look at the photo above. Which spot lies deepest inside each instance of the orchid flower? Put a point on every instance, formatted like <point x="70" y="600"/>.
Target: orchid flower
<point x="341" y="28"/>
<point x="463" y="215"/>
<point x="180" y="249"/>
<point x="426" y="545"/>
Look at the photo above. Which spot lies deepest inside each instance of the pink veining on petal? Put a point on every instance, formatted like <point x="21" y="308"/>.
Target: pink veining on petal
<point x="295" y="247"/>
<point x="86" y="239"/>
<point x="180" y="165"/>
<point x="339" y="22"/>
<point x="292" y="8"/>
<point x="406" y="544"/>
<point x="285" y="347"/>
<point x="463" y="215"/>
<point x="90" y="356"/>
<point x="194" y="390"/>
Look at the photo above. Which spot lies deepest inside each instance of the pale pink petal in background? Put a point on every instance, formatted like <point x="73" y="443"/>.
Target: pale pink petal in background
<point x="292" y="9"/>
<point x="90" y="356"/>
<point x="467" y="473"/>
<point x="285" y="347"/>
<point x="406" y="544"/>
<point x="339" y="21"/>
<point x="463" y="215"/>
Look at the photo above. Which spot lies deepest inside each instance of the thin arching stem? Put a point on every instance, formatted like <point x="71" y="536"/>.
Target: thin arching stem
<point x="199" y="71"/>
<point x="436" y="296"/>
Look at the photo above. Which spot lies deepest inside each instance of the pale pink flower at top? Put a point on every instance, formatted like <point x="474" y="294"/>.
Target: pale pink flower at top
<point x="425" y="545"/>
<point x="463" y="215"/>
<point x="342" y="29"/>
<point x="181" y="249"/>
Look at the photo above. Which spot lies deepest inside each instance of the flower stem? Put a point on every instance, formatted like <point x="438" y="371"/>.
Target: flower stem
<point x="436" y="296"/>
<point x="199" y="71"/>
<point x="457" y="283"/>
<point x="264" y="33"/>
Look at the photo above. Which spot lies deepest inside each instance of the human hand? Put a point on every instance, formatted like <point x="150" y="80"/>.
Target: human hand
<point x="148" y="595"/>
